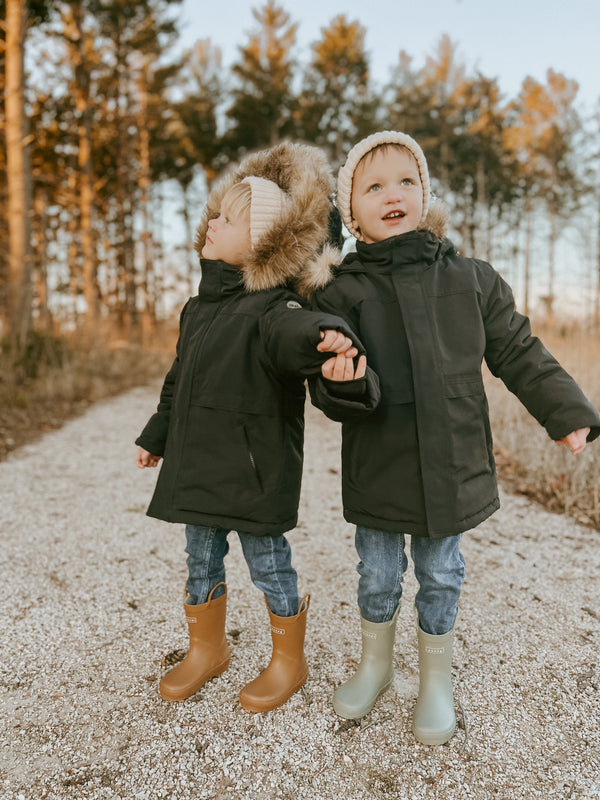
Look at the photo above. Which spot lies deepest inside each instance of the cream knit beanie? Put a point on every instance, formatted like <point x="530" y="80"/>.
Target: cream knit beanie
<point x="346" y="173"/>
<point x="268" y="201"/>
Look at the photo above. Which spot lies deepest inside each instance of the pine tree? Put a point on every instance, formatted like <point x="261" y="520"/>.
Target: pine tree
<point x="192" y="140"/>
<point x="263" y="97"/>
<point x="541" y="133"/>
<point x="338" y="105"/>
<point x="16" y="310"/>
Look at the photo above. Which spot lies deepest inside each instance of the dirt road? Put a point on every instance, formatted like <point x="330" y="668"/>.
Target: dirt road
<point x="90" y="596"/>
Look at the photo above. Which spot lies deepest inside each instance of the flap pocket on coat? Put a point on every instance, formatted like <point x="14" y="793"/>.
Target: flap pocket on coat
<point x="464" y="385"/>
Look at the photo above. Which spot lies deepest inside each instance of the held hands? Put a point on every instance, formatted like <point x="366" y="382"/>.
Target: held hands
<point x="145" y="459"/>
<point x="341" y="366"/>
<point x="575" y="441"/>
<point x="336" y="342"/>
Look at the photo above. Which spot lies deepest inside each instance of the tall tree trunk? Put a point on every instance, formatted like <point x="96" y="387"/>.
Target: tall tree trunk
<point x="18" y="313"/>
<point x="84" y="164"/>
<point x="40" y="228"/>
<point x="551" y="268"/>
<point x="126" y="281"/>
<point x="597" y="294"/>
<point x="189" y="238"/>
<point x="527" y="266"/>
<point x="147" y="266"/>
<point x="481" y="250"/>
<point x="73" y="251"/>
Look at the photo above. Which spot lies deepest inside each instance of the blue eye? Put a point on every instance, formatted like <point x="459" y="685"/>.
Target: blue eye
<point x="374" y="187"/>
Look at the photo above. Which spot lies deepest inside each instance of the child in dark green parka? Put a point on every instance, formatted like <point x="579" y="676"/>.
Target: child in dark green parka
<point x="230" y="421"/>
<point x="422" y="463"/>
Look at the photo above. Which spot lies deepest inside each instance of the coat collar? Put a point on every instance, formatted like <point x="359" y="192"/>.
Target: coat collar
<point x="319" y="274"/>
<point x="418" y="248"/>
<point x="219" y="279"/>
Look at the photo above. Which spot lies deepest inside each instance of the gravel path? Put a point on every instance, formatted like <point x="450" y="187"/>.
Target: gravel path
<point x="90" y="595"/>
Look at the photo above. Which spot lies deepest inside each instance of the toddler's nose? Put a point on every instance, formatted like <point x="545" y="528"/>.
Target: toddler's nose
<point x="394" y="192"/>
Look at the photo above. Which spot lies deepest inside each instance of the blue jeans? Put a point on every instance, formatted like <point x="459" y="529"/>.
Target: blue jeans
<point x="269" y="560"/>
<point x="439" y="569"/>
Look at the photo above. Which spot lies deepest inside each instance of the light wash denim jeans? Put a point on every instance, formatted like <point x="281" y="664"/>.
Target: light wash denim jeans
<point x="269" y="560"/>
<point x="439" y="569"/>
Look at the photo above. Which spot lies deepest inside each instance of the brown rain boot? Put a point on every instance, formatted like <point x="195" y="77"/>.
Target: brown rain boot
<point x="208" y="654"/>
<point x="287" y="670"/>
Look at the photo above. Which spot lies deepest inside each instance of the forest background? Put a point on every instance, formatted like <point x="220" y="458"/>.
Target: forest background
<point x="102" y="115"/>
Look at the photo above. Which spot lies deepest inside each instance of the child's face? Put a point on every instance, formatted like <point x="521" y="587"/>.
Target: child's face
<point x="228" y="236"/>
<point x="387" y="195"/>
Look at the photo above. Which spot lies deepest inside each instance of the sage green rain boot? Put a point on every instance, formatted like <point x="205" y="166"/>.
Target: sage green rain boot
<point x="434" y="719"/>
<point x="356" y="697"/>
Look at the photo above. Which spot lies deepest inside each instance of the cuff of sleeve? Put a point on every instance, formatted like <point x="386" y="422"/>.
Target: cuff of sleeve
<point x="349" y="389"/>
<point x="154" y="435"/>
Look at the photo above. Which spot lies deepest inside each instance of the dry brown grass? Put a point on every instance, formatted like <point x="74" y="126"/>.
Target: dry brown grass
<point x="65" y="377"/>
<point x="528" y="461"/>
<point x="59" y="378"/>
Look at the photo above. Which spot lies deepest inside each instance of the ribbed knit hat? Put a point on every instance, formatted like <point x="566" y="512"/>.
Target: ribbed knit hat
<point x="268" y="201"/>
<point x="346" y="173"/>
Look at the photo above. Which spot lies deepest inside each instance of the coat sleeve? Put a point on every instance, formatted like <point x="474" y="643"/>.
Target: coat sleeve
<point x="529" y="371"/>
<point x="340" y="400"/>
<point x="343" y="400"/>
<point x="291" y="334"/>
<point x="154" y="436"/>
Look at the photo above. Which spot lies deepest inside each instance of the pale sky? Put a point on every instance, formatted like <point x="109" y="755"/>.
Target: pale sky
<point x="509" y="39"/>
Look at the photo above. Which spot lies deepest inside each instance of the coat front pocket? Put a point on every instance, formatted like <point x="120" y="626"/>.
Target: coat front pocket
<point x="252" y="458"/>
<point x="470" y="437"/>
<point x="218" y="470"/>
<point x="463" y="384"/>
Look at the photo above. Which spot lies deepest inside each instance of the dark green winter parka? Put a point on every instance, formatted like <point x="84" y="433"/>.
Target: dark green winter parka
<point x="422" y="463"/>
<point x="230" y="420"/>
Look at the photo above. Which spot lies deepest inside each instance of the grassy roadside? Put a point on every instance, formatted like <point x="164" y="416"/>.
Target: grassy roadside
<point x="528" y="462"/>
<point x="64" y="378"/>
<point x="58" y="379"/>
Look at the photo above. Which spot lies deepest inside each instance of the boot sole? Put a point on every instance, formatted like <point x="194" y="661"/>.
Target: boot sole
<point x="346" y="713"/>
<point x="173" y="697"/>
<point x="258" y="708"/>
<point x="439" y="737"/>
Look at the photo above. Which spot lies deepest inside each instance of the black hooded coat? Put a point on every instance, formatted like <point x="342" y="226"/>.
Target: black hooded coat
<point x="423" y="462"/>
<point x="230" y="420"/>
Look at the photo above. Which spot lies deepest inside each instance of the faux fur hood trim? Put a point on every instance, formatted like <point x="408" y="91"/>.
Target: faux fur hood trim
<point x="320" y="273"/>
<point x="298" y="237"/>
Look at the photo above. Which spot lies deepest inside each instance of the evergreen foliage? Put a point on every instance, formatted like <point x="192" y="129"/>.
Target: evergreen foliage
<point x="119" y="117"/>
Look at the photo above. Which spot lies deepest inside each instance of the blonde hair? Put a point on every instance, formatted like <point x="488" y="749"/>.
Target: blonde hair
<point x="238" y="198"/>
<point x="383" y="149"/>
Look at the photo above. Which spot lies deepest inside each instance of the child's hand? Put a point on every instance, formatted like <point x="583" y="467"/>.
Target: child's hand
<point x="336" y="342"/>
<point x="576" y="440"/>
<point x="145" y="459"/>
<point x="341" y="368"/>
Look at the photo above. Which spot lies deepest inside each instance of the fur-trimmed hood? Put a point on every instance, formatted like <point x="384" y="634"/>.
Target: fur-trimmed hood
<point x="319" y="274"/>
<point x="298" y="239"/>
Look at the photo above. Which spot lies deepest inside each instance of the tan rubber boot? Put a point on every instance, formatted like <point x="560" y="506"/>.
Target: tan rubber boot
<point x="356" y="697"/>
<point x="287" y="670"/>
<point x="434" y="719"/>
<point x="208" y="654"/>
